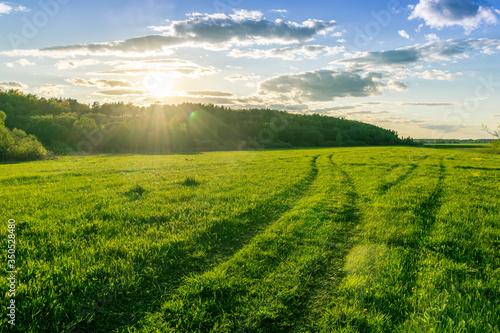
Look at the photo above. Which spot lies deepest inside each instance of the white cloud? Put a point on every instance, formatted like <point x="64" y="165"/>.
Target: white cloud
<point x="51" y="90"/>
<point x="209" y="31"/>
<point x="288" y="53"/>
<point x="174" y="67"/>
<point x="21" y="62"/>
<point x="72" y="64"/>
<point x="100" y="83"/>
<point x="242" y="77"/>
<point x="404" y="34"/>
<point x="280" y="11"/>
<point x="241" y="15"/>
<point x="436" y="74"/>
<point x="25" y="62"/>
<point x="326" y="85"/>
<point x="469" y="14"/>
<point x="13" y="85"/>
<point x="6" y="8"/>
<point x="432" y="37"/>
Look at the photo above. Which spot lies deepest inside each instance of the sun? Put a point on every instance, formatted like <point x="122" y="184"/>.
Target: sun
<point x="158" y="85"/>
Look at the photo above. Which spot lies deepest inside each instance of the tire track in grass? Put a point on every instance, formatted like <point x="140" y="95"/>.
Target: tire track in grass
<point x="384" y="187"/>
<point x="425" y="213"/>
<point x="375" y="294"/>
<point x="428" y="209"/>
<point x="174" y="260"/>
<point x="263" y="286"/>
<point x="410" y="250"/>
<point x="330" y="275"/>
<point x="456" y="292"/>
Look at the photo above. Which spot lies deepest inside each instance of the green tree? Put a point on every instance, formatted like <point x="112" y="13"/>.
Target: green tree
<point x="16" y="145"/>
<point x="338" y="140"/>
<point x="84" y="124"/>
<point x="3" y="116"/>
<point x="313" y="138"/>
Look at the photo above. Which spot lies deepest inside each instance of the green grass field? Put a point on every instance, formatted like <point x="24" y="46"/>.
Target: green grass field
<point x="390" y="239"/>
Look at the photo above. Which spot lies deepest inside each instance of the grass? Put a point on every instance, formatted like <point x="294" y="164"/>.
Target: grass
<point x="348" y="239"/>
<point x="189" y="181"/>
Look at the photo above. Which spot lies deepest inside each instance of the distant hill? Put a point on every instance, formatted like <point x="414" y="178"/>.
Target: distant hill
<point x="66" y="126"/>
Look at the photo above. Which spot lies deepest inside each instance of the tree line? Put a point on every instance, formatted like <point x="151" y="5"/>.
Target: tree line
<point x="65" y="126"/>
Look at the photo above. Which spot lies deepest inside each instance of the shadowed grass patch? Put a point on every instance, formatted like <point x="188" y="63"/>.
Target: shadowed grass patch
<point x="190" y="181"/>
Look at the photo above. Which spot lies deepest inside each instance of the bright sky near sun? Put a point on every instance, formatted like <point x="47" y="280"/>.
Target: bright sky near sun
<point x="425" y="68"/>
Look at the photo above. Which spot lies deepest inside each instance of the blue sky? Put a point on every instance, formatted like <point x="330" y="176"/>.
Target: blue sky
<point x="425" y="68"/>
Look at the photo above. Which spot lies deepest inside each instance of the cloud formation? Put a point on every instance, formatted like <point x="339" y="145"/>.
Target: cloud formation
<point x="122" y="92"/>
<point x="237" y="77"/>
<point x="51" y="90"/>
<point x="469" y="14"/>
<point x="209" y="31"/>
<point x="100" y="83"/>
<point x="7" y="8"/>
<point x="433" y="51"/>
<point x="427" y="104"/>
<point x="73" y="64"/>
<point x="404" y="34"/>
<point x="289" y="53"/>
<point x="441" y="127"/>
<point x="21" y="62"/>
<point x="175" y="67"/>
<point x="13" y="85"/>
<point x="325" y="85"/>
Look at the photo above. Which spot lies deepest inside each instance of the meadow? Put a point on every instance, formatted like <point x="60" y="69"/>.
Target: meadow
<point x="375" y="239"/>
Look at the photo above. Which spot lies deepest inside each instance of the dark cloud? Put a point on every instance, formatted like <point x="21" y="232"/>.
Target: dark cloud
<point x="324" y="85"/>
<point x="393" y="57"/>
<point x="13" y="85"/>
<point x="432" y="51"/>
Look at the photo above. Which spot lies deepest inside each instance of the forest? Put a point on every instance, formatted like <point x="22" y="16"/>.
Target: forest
<point x="65" y="126"/>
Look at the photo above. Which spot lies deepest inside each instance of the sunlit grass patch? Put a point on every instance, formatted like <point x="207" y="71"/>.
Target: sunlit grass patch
<point x="348" y="239"/>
